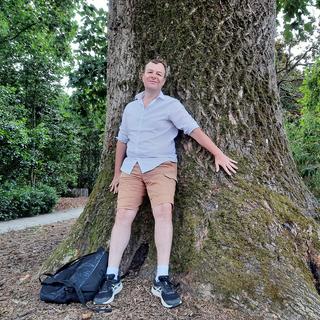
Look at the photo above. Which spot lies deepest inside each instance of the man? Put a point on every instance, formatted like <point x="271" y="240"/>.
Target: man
<point x="146" y="162"/>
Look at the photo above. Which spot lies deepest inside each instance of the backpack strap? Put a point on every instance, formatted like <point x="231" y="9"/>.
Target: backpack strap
<point x="100" y="249"/>
<point x="44" y="274"/>
<point x="100" y="309"/>
<point x="79" y="293"/>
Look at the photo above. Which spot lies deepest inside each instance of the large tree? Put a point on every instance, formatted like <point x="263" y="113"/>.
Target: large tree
<point x="251" y="240"/>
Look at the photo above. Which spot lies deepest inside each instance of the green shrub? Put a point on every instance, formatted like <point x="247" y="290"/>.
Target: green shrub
<point x="25" y="201"/>
<point x="304" y="133"/>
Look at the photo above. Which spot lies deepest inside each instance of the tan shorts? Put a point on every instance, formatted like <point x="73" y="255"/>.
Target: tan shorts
<point x="159" y="184"/>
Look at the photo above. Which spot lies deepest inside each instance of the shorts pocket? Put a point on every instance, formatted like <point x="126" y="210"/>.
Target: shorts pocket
<point x="171" y="175"/>
<point x="169" y="170"/>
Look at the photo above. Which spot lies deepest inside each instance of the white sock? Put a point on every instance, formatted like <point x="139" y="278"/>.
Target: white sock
<point x="113" y="270"/>
<point x="162" y="271"/>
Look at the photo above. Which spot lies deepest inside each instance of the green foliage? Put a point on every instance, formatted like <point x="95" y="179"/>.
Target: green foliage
<point x="47" y="153"/>
<point x="57" y="155"/>
<point x="304" y="134"/>
<point x="298" y="20"/>
<point x="14" y="135"/>
<point x="38" y="135"/>
<point x="16" y="202"/>
<point x="89" y="97"/>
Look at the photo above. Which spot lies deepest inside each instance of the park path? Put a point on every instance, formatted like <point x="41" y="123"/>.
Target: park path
<point x="56" y="216"/>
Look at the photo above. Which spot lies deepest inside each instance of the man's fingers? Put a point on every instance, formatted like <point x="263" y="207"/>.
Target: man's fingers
<point x="226" y="170"/>
<point x="114" y="186"/>
<point x="229" y="168"/>
<point x="232" y="167"/>
<point x="227" y="164"/>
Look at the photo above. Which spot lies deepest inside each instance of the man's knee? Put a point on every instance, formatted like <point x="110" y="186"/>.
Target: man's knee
<point x="125" y="216"/>
<point x="162" y="211"/>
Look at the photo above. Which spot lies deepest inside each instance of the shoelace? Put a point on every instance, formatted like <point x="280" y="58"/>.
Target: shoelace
<point x="167" y="284"/>
<point x="108" y="282"/>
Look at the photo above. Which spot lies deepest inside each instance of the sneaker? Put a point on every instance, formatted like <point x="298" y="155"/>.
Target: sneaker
<point x="108" y="290"/>
<point x="164" y="289"/>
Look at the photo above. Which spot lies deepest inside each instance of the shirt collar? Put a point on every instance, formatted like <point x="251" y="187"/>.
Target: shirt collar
<point x="140" y="96"/>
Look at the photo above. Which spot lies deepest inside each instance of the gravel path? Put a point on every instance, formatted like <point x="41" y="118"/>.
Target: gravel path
<point x="65" y="209"/>
<point x="43" y="219"/>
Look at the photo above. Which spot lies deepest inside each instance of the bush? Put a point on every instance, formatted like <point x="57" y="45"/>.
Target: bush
<point x="304" y="134"/>
<point x="25" y="201"/>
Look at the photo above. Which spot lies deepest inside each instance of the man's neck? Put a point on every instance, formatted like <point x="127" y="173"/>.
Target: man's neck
<point x="149" y="96"/>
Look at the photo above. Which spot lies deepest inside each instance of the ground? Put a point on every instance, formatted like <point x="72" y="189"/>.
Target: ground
<point x="23" y="252"/>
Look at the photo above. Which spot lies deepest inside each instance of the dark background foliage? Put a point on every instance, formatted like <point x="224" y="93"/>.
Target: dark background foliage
<point x="49" y="139"/>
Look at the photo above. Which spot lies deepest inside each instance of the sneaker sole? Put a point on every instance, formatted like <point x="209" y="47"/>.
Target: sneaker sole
<point x="157" y="293"/>
<point x="115" y="292"/>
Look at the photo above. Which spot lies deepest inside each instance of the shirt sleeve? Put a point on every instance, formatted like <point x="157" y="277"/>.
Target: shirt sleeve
<point x="182" y="119"/>
<point x="123" y="131"/>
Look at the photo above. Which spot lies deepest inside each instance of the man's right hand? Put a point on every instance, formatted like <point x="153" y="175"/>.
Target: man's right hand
<point x="114" y="183"/>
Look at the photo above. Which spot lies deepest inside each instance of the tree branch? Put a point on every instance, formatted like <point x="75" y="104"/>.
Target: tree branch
<point x="289" y="66"/>
<point x="18" y="34"/>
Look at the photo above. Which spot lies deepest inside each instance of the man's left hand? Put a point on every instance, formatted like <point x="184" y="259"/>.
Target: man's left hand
<point x="228" y="165"/>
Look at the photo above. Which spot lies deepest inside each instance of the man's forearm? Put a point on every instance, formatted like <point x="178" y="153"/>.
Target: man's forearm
<point x="198" y="135"/>
<point x="121" y="149"/>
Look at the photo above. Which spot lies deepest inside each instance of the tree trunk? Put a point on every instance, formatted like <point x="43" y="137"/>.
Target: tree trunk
<point x="251" y="240"/>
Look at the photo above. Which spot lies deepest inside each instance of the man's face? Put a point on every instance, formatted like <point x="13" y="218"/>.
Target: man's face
<point x="153" y="77"/>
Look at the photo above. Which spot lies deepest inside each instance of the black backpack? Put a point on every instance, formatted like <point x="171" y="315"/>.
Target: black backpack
<point x="77" y="281"/>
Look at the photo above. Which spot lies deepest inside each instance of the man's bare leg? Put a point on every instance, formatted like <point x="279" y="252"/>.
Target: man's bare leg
<point x="163" y="232"/>
<point x="162" y="286"/>
<point x="120" y="235"/>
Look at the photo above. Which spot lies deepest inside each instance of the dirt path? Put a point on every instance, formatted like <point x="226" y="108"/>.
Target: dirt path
<point x="23" y="252"/>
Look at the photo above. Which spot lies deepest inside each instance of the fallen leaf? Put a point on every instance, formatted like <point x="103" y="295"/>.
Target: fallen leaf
<point x="86" y="316"/>
<point x="26" y="278"/>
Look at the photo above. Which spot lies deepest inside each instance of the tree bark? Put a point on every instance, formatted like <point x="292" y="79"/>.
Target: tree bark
<point x="250" y="241"/>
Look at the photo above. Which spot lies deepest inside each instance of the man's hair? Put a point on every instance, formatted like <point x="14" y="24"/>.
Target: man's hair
<point x="159" y="60"/>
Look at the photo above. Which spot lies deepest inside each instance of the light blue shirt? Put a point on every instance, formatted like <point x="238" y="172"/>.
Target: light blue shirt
<point x="149" y="132"/>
